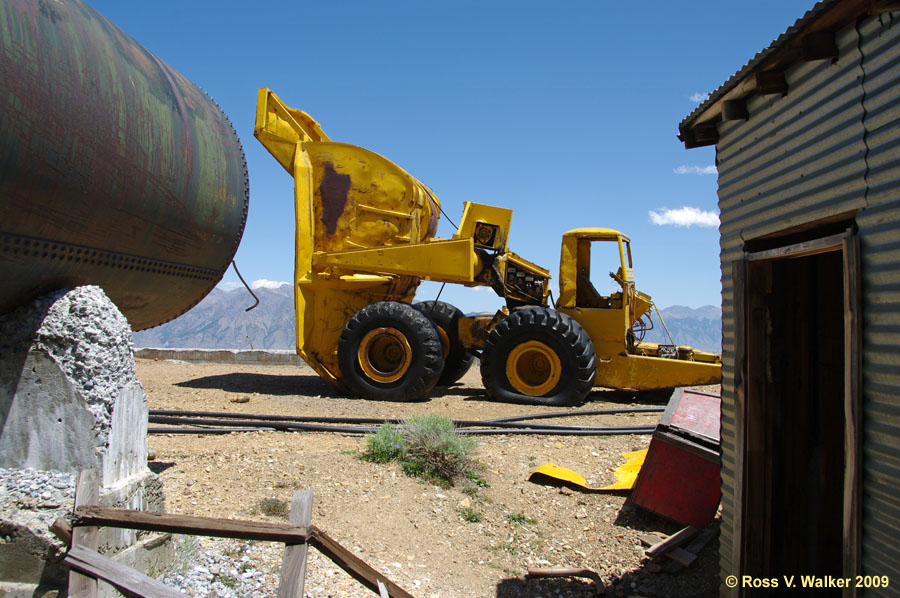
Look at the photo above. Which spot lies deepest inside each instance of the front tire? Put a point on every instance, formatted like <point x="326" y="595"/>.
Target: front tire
<point x="538" y="356"/>
<point x="389" y="351"/>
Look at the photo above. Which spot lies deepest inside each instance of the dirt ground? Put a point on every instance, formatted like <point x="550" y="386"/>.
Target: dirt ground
<point x="408" y="527"/>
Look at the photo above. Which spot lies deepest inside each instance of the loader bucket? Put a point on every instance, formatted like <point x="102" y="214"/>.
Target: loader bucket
<point x="346" y="198"/>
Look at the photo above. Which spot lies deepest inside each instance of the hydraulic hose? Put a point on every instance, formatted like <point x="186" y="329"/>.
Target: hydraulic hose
<point x="224" y="422"/>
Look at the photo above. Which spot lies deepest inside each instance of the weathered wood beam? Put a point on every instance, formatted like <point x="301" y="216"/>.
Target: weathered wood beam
<point x="352" y="564"/>
<point x="293" y="566"/>
<point x="697" y="544"/>
<point x="676" y="539"/>
<point x="185" y="524"/>
<point x="735" y="110"/>
<point x="883" y="6"/>
<point x="125" y="579"/>
<point x="766" y="78"/>
<point x="706" y="133"/>
<point x="690" y="140"/>
<point x="818" y="46"/>
<point x="87" y="492"/>
<point x="771" y="82"/>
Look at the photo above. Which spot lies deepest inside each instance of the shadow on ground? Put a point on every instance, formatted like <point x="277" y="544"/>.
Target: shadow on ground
<point x="650" y="580"/>
<point x="638" y="583"/>
<point x="644" y="397"/>
<point x="158" y="467"/>
<point x="265" y="384"/>
<point x="534" y="587"/>
<point x="621" y="397"/>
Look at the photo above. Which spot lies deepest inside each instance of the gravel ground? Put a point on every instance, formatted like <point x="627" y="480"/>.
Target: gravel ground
<point x="36" y="498"/>
<point x="411" y="530"/>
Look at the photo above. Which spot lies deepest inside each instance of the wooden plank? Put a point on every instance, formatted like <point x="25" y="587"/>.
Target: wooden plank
<point x="735" y="110"/>
<point x="740" y="273"/>
<point x="352" y="564"/>
<point x="185" y="524"/>
<point x="883" y="6"/>
<point x="703" y="538"/>
<point x="87" y="492"/>
<point x="651" y="539"/>
<point x="677" y="539"/>
<point x="695" y="546"/>
<point x="706" y="133"/>
<point x="293" y="566"/>
<point x="818" y="46"/>
<point x="802" y="249"/>
<point x="852" y="408"/>
<point x="771" y="82"/>
<point x="680" y="557"/>
<point x="125" y="579"/>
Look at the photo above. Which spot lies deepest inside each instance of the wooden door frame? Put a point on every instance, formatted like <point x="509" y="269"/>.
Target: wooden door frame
<point x="745" y="389"/>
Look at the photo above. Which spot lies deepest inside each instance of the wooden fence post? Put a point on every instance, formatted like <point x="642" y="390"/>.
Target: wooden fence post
<point x="87" y="492"/>
<point x="293" y="567"/>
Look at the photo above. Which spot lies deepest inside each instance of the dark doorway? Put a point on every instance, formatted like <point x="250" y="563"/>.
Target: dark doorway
<point x="799" y="458"/>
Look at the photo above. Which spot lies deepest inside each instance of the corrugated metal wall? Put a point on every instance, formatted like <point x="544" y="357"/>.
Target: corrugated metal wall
<point x="879" y="226"/>
<point x="831" y="145"/>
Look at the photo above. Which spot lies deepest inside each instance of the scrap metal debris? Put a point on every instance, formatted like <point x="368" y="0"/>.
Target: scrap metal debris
<point x="625" y="474"/>
<point x="569" y="572"/>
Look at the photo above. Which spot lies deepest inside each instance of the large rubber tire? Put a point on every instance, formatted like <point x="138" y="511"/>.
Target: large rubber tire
<point x="389" y="351"/>
<point x="457" y="360"/>
<point x="538" y="356"/>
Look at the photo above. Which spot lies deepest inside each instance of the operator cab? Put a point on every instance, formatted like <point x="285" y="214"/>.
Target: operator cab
<point x="607" y="248"/>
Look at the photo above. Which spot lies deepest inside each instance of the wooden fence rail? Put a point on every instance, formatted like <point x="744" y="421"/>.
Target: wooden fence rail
<point x="88" y="565"/>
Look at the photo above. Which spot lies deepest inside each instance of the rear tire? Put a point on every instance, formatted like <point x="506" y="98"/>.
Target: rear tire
<point x="538" y="356"/>
<point x="458" y="360"/>
<point x="389" y="351"/>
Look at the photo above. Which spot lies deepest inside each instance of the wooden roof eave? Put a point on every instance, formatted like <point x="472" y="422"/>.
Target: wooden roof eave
<point x="813" y="40"/>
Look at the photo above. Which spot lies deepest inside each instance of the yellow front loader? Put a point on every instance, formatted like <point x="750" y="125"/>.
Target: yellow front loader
<point x="364" y="242"/>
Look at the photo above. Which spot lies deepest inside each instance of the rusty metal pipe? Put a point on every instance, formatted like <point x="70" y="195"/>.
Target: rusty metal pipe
<point x="115" y="170"/>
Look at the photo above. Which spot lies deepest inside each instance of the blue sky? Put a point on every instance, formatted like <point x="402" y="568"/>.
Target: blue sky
<point x="565" y="112"/>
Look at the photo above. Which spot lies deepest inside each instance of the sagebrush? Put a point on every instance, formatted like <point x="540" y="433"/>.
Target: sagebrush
<point x="425" y="445"/>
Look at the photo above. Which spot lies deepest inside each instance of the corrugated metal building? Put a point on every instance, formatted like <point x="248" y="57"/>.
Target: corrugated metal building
<point x="807" y="138"/>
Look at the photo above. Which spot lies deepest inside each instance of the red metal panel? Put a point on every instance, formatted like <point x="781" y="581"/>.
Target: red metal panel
<point x="694" y="412"/>
<point x="679" y="480"/>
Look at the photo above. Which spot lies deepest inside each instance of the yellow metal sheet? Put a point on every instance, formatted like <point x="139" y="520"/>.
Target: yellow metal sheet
<point x="625" y="474"/>
<point x="445" y="261"/>
<point x="473" y="213"/>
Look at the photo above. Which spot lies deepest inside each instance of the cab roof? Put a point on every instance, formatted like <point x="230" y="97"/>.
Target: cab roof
<point x="596" y="234"/>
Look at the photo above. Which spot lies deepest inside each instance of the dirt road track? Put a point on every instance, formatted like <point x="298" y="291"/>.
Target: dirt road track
<point x="406" y="526"/>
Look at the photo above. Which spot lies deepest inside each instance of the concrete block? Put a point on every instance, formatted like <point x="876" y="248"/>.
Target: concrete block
<point x="69" y="401"/>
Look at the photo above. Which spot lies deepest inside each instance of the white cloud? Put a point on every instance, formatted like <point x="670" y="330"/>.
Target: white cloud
<point x="262" y="283"/>
<point x="684" y="216"/>
<point x="229" y="286"/>
<point x="699" y="97"/>
<point x="684" y="169"/>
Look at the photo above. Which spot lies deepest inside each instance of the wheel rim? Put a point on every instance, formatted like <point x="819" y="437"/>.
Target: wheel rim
<point x="445" y="340"/>
<point x="384" y="355"/>
<point x="533" y="368"/>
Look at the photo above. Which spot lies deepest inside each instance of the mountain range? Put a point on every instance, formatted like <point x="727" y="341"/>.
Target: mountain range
<point x="220" y="321"/>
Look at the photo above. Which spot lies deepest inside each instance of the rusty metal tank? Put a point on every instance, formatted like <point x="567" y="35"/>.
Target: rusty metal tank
<point x="115" y="170"/>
